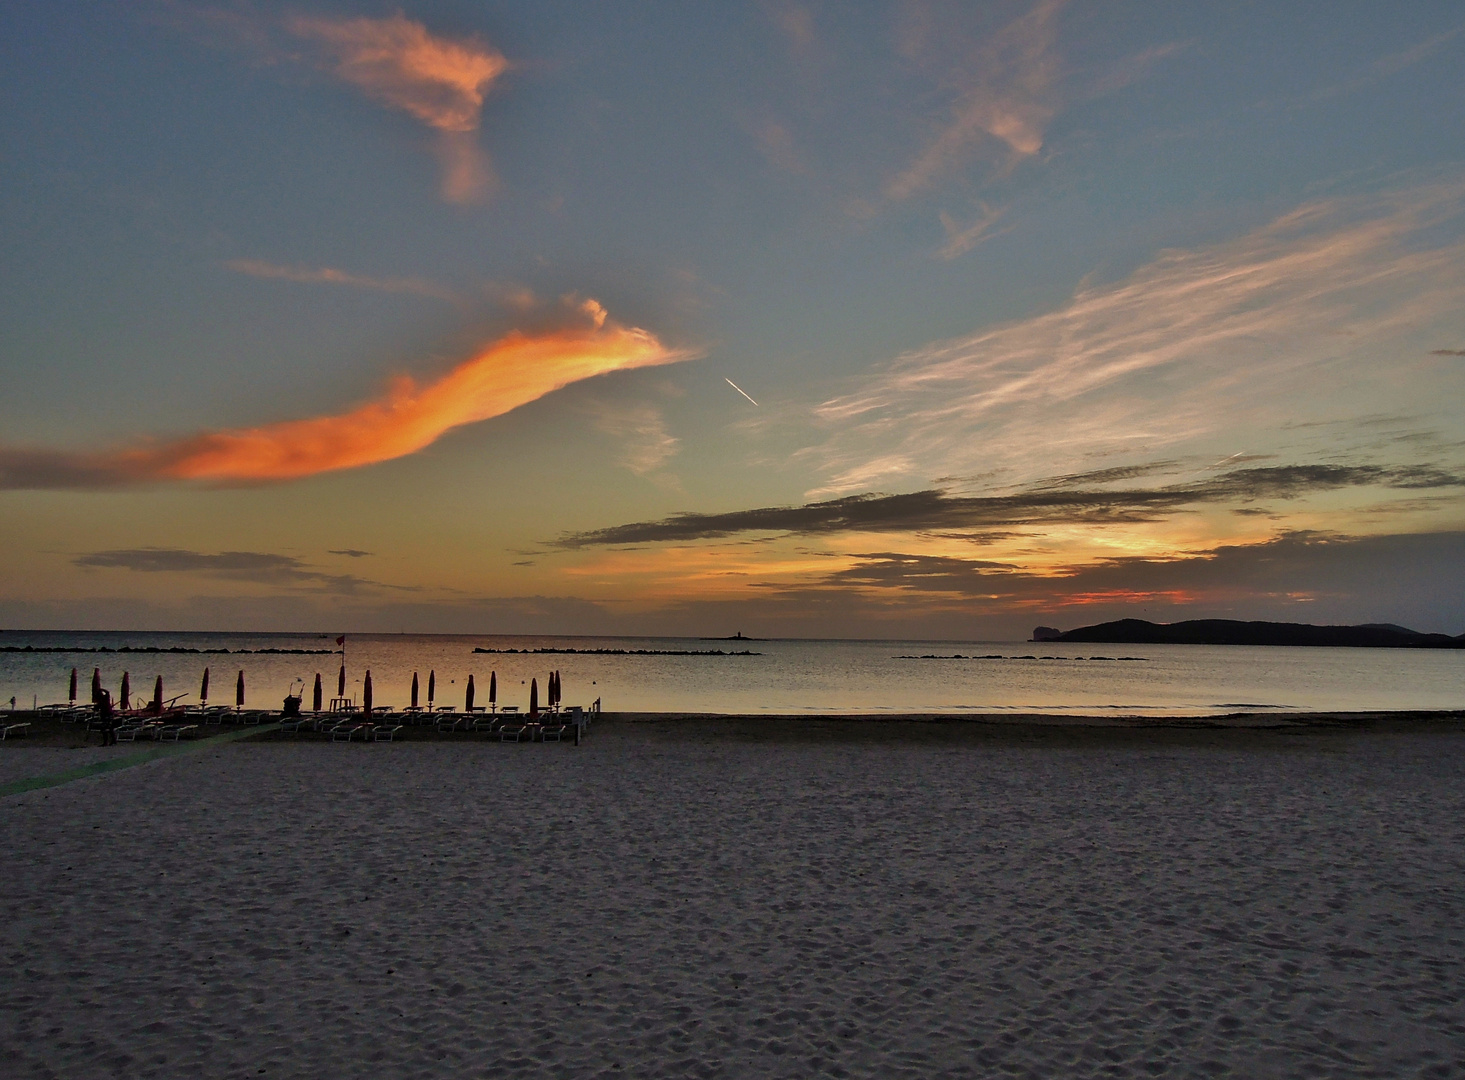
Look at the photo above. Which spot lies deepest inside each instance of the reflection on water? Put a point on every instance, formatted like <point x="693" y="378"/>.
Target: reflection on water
<point x="645" y="675"/>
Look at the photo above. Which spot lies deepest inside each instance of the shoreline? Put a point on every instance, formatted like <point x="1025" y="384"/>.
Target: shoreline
<point x="1241" y="720"/>
<point x="47" y="732"/>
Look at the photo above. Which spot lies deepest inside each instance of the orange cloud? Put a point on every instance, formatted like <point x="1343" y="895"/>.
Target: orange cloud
<point x="397" y="61"/>
<point x="441" y="82"/>
<point x="513" y="371"/>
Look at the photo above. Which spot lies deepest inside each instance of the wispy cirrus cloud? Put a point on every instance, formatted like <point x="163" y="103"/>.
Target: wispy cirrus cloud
<point x="440" y="81"/>
<point x="1389" y="65"/>
<point x="325" y="275"/>
<point x="512" y="371"/>
<point x="1288" y="322"/>
<point x="1006" y="91"/>
<point x="640" y="428"/>
<point x="962" y="237"/>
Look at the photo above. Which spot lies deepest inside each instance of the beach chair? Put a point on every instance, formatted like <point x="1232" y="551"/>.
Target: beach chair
<point x="346" y="731"/>
<point x="451" y="722"/>
<point x="385" y="732"/>
<point x="175" y="732"/>
<point x="486" y="723"/>
<point x="511" y="732"/>
<point x="293" y="726"/>
<point x="554" y="732"/>
<point x="18" y="728"/>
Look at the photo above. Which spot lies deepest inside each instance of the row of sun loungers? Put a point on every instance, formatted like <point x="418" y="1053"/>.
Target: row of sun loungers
<point x="383" y="724"/>
<point x="156" y="729"/>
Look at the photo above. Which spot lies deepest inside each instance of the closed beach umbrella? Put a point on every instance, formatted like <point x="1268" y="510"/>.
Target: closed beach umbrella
<point x="366" y="693"/>
<point x="493" y="689"/>
<point x="315" y="702"/>
<point x="556" y="687"/>
<point x="414" y="689"/>
<point x="71" y="692"/>
<point x="341" y="682"/>
<point x="96" y="684"/>
<point x="203" y="689"/>
<point x="469" y="706"/>
<point x="239" y="691"/>
<point x="158" y="695"/>
<point x="431" y="688"/>
<point x="125" y="697"/>
<point x="533" y="697"/>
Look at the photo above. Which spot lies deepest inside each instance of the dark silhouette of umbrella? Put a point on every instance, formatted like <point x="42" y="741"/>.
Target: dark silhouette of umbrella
<point x="124" y="699"/>
<point x="71" y="691"/>
<point x="203" y="690"/>
<point x="431" y="687"/>
<point x="341" y="682"/>
<point x="366" y="693"/>
<point x="557" y="688"/>
<point x="96" y="684"/>
<point x="315" y="703"/>
<point x="158" y="695"/>
<point x="493" y="690"/>
<point x="414" y="689"/>
<point x="533" y="697"/>
<point x="239" y="690"/>
<point x="469" y="706"/>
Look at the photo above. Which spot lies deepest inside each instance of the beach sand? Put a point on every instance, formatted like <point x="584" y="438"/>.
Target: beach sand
<point x="734" y="898"/>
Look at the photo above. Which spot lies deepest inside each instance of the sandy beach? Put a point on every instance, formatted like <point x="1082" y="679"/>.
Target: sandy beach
<point x="734" y="898"/>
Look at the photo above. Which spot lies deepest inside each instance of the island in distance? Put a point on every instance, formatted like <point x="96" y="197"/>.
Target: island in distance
<point x="1235" y="632"/>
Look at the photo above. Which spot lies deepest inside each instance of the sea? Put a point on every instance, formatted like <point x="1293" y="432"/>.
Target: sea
<point x="747" y="676"/>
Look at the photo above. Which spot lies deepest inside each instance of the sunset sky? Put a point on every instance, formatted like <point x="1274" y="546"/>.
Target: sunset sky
<point x="800" y="319"/>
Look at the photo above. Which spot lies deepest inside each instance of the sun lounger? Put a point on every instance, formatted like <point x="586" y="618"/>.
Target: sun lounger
<point x="452" y="722"/>
<point x="18" y="728"/>
<point x="487" y="723"/>
<point x="175" y="732"/>
<point x="512" y="732"/>
<point x="555" y="732"/>
<point x="385" y="732"/>
<point x="347" y="732"/>
<point x="293" y="726"/>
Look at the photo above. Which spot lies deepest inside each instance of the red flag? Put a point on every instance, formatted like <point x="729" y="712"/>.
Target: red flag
<point x="341" y="640"/>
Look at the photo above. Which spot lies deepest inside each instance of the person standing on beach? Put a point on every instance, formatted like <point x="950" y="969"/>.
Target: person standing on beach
<point x="107" y="718"/>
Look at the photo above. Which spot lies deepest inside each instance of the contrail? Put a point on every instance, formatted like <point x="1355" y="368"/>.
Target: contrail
<point x="739" y="389"/>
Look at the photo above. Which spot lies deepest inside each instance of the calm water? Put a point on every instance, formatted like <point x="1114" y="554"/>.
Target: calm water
<point x="788" y="676"/>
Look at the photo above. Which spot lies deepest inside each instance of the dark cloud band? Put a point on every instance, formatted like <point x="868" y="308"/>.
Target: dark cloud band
<point x="1053" y="501"/>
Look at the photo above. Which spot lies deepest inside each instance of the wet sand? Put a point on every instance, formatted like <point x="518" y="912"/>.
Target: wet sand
<point x="737" y="898"/>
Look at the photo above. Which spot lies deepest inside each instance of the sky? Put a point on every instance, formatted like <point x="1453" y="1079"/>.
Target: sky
<point x="909" y="319"/>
